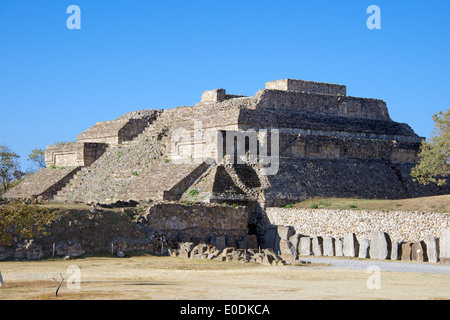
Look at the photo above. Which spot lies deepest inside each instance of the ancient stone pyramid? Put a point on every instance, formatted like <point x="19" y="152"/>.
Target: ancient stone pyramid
<point x="290" y="141"/>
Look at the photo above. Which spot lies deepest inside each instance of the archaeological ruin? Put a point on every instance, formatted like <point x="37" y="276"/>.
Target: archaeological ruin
<point x="291" y="141"/>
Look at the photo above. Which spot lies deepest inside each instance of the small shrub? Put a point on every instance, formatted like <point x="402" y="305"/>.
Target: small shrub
<point x="193" y="193"/>
<point x="166" y="160"/>
<point x="289" y="205"/>
<point x="353" y="206"/>
<point x="314" y="206"/>
<point x="135" y="173"/>
<point x="53" y="166"/>
<point x="325" y="204"/>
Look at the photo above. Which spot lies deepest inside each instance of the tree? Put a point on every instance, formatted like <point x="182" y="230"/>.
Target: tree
<point x="434" y="164"/>
<point x="9" y="167"/>
<point x="37" y="156"/>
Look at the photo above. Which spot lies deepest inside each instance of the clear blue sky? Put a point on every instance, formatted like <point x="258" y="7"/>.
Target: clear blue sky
<point x="136" y="54"/>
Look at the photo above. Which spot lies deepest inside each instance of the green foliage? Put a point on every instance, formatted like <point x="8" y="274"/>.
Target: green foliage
<point x="135" y="173"/>
<point x="314" y="206"/>
<point x="166" y="160"/>
<point x="289" y="205"/>
<point x="53" y="166"/>
<point x="37" y="157"/>
<point x="193" y="193"/>
<point x="434" y="164"/>
<point x="20" y="221"/>
<point x="9" y="167"/>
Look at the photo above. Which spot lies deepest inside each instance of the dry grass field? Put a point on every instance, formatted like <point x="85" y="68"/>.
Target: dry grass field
<point x="167" y="278"/>
<point x="424" y="204"/>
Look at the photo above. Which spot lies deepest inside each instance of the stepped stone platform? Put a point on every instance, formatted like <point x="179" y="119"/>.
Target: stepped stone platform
<point x="316" y="141"/>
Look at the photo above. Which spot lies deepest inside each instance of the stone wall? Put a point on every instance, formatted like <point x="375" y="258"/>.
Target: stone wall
<point x="198" y="221"/>
<point x="307" y="86"/>
<point x="74" y="154"/>
<point x="322" y="104"/>
<point x="113" y="132"/>
<point x="400" y="225"/>
<point x="301" y="179"/>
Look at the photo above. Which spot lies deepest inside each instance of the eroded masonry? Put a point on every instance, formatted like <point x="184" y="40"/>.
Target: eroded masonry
<point x="329" y="144"/>
<point x="291" y="141"/>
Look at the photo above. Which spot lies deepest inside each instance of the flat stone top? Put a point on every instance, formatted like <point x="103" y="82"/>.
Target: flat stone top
<point x="307" y="86"/>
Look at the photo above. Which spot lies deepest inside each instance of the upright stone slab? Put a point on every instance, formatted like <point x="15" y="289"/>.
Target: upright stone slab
<point x="305" y="246"/>
<point x="295" y="240"/>
<point x="252" y="242"/>
<point x="364" y="246"/>
<point x="406" y="251"/>
<point x="339" y="247"/>
<point x="242" y="244"/>
<point x="350" y="245"/>
<point x="231" y="242"/>
<point x="396" y="251"/>
<point x="288" y="252"/>
<point x="317" y="246"/>
<point x="418" y="252"/>
<point x="270" y="237"/>
<point x="220" y="243"/>
<point x="328" y="246"/>
<point x="283" y="233"/>
<point x="432" y="249"/>
<point x="444" y="244"/>
<point x="380" y="245"/>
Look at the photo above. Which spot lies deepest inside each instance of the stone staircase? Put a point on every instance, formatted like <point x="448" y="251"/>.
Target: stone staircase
<point x="45" y="182"/>
<point x="134" y="170"/>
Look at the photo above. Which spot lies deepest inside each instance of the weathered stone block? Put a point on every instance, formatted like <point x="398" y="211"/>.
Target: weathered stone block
<point x="406" y="251"/>
<point x="305" y="246"/>
<point x="220" y="242"/>
<point x="418" y="252"/>
<point x="288" y="252"/>
<point x="350" y="245"/>
<point x="283" y="233"/>
<point x="186" y="246"/>
<point x="295" y="240"/>
<point x="432" y="246"/>
<point x="317" y="246"/>
<point x="252" y="242"/>
<point x="267" y="260"/>
<point x="270" y="237"/>
<point x="231" y="242"/>
<point x="70" y="248"/>
<point x="216" y="95"/>
<point x="328" y="246"/>
<point x="29" y="251"/>
<point x="396" y="251"/>
<point x="184" y="254"/>
<point x="444" y="244"/>
<point x="338" y="247"/>
<point x="364" y="246"/>
<point x="380" y="245"/>
<point x="242" y="244"/>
